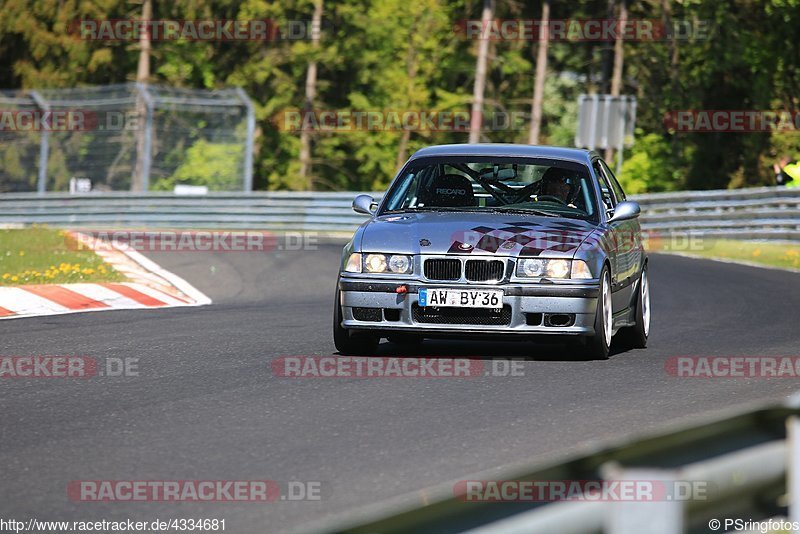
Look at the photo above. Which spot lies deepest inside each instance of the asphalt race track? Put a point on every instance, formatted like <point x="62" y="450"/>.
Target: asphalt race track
<point x="206" y="405"/>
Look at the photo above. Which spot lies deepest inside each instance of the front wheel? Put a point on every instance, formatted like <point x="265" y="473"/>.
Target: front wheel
<point x="636" y="336"/>
<point x="598" y="346"/>
<point x="347" y="343"/>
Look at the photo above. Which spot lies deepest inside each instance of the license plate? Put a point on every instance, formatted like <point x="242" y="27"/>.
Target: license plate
<point x="461" y="298"/>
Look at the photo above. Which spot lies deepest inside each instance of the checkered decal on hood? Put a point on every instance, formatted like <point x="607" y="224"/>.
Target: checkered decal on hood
<point x="525" y="238"/>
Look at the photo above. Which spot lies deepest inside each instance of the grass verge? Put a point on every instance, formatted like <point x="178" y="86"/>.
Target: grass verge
<point x="782" y="255"/>
<point x="41" y="255"/>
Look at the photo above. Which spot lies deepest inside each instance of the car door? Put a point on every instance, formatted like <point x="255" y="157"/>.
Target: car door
<point x="613" y="235"/>
<point x="634" y="249"/>
<point x="627" y="242"/>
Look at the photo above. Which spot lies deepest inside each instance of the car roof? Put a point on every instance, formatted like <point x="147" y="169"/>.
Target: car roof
<point x="578" y="155"/>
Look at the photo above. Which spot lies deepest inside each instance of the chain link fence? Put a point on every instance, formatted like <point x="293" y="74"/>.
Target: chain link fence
<point x="126" y="137"/>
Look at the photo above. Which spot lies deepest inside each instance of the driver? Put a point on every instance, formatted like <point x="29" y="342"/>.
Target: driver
<point x="555" y="183"/>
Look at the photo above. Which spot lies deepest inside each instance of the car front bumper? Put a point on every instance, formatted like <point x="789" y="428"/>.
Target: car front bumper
<point x="527" y="308"/>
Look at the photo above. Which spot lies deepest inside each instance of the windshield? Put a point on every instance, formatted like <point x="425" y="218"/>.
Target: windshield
<point x="537" y="186"/>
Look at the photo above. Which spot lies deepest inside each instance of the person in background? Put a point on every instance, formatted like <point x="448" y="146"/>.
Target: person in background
<point x="787" y="173"/>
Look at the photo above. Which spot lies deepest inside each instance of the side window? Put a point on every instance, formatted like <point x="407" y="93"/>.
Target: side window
<point x="614" y="183"/>
<point x="605" y="188"/>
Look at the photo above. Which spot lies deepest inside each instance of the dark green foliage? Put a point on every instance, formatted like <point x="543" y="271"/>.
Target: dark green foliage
<point x="380" y="55"/>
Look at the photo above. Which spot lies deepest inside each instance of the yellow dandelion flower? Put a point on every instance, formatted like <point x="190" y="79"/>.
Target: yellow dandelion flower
<point x="15" y="278"/>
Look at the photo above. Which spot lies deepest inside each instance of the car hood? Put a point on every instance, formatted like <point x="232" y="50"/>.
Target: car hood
<point x="475" y="233"/>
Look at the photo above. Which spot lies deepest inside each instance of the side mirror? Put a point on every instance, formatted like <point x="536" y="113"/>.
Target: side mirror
<point x="363" y="204"/>
<point x="625" y="211"/>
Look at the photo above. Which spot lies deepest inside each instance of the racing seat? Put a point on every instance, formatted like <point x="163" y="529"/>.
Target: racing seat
<point x="449" y="190"/>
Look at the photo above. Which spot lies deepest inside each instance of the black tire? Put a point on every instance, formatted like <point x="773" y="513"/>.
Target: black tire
<point x="597" y="347"/>
<point x="636" y="336"/>
<point x="351" y="343"/>
<point x="405" y="339"/>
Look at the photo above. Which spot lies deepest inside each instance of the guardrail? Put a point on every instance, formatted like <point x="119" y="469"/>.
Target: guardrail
<point x="755" y="213"/>
<point x="758" y="213"/>
<point x="744" y="467"/>
<point x="271" y="211"/>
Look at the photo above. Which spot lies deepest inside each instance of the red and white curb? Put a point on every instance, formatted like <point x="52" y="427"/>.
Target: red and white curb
<point x="148" y="286"/>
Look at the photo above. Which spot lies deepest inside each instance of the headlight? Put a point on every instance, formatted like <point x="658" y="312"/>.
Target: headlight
<point x="531" y="268"/>
<point x="399" y="264"/>
<point x="382" y="263"/>
<point x="353" y="263"/>
<point x="543" y="268"/>
<point x="375" y="263"/>
<point x="557" y="269"/>
<point x="580" y="270"/>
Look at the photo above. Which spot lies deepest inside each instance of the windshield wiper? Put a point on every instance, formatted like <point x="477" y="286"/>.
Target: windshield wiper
<point x="503" y="209"/>
<point x="435" y="208"/>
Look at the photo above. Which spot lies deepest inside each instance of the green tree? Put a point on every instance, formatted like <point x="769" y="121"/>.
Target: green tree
<point x="215" y="165"/>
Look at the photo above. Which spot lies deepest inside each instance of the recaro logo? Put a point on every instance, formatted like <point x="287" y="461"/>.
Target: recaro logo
<point x="460" y="192"/>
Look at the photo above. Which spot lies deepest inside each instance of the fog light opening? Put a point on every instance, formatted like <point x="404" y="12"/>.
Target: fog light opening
<point x="559" y="319"/>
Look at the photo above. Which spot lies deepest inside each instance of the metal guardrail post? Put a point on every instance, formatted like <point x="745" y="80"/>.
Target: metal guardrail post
<point x="251" y="131"/>
<point x="793" y="460"/>
<point x="636" y="515"/>
<point x="44" y="145"/>
<point x="147" y="152"/>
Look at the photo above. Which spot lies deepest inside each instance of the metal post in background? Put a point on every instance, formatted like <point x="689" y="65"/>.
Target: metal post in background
<point x="141" y="178"/>
<point x="44" y="145"/>
<point x="628" y="128"/>
<point x="604" y="133"/>
<point x="251" y="132"/>
<point x="622" y="110"/>
<point x="595" y="103"/>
